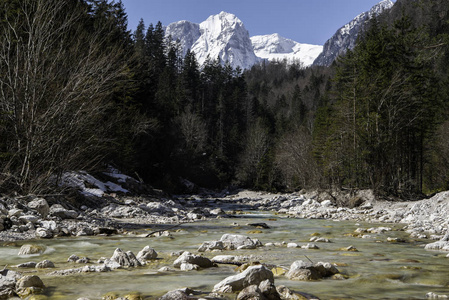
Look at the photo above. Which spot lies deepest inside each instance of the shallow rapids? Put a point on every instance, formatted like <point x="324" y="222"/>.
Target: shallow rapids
<point x="379" y="270"/>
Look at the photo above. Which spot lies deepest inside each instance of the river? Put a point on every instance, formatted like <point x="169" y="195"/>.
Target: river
<point x="379" y="270"/>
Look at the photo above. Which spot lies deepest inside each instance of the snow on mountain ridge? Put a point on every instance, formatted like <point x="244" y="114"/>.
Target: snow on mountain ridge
<point x="224" y="36"/>
<point x="186" y="32"/>
<point x="276" y="47"/>
<point x="345" y="38"/>
<point x="374" y="11"/>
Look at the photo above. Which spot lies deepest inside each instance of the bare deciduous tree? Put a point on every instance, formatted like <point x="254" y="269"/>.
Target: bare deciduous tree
<point x="295" y="161"/>
<point x="55" y="80"/>
<point x="256" y="147"/>
<point x="193" y="131"/>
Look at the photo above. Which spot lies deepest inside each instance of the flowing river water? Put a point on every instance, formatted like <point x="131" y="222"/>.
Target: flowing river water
<point x="379" y="270"/>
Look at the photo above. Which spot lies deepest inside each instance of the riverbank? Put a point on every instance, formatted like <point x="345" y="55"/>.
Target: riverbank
<point x="23" y="218"/>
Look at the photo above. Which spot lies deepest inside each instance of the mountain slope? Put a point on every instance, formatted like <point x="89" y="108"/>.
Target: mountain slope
<point x="346" y="37"/>
<point x="276" y="47"/>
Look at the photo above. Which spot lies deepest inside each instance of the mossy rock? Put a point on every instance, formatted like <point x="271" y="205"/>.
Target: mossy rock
<point x="316" y="234"/>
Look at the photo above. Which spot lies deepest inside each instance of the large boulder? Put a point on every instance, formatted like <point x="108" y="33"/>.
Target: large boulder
<point x="253" y="275"/>
<point x="28" y="249"/>
<point x="211" y="245"/>
<point x="40" y="205"/>
<point x="439" y="245"/>
<point x="58" y="210"/>
<point x="45" y="264"/>
<point x="265" y="291"/>
<point x="30" y="284"/>
<point x="122" y="259"/>
<point x="230" y="259"/>
<point x="175" y="295"/>
<point x="8" y="280"/>
<point x="190" y="259"/>
<point x="25" y="219"/>
<point x="269" y="290"/>
<point x="304" y="271"/>
<point x="238" y="241"/>
<point x="44" y="233"/>
<point x="147" y="253"/>
<point x="251" y="292"/>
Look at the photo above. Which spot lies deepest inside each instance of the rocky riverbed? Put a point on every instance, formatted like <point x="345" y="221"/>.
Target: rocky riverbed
<point x="33" y="218"/>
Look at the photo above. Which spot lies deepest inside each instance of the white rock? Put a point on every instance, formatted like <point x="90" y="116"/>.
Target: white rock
<point x="29" y="219"/>
<point x="252" y="275"/>
<point x="189" y="258"/>
<point x="147" y="253"/>
<point x="15" y="212"/>
<point x="43" y="233"/>
<point x="326" y="203"/>
<point x="310" y="246"/>
<point x="45" y="264"/>
<point x="40" y="205"/>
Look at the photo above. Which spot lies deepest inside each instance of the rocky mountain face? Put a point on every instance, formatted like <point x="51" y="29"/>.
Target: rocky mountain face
<point x="223" y="36"/>
<point x="346" y="37"/>
<point x="276" y="47"/>
<point x="186" y="32"/>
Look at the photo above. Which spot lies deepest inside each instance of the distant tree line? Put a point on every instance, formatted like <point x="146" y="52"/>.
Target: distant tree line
<point x="79" y="90"/>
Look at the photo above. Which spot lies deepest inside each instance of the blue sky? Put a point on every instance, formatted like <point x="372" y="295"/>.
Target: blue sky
<point x="305" y="21"/>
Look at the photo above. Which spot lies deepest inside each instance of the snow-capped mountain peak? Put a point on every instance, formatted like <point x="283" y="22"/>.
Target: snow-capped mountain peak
<point x="221" y="36"/>
<point x="276" y="47"/>
<point x="216" y="25"/>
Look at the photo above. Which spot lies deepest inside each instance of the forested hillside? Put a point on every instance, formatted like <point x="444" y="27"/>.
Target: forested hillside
<point x="80" y="91"/>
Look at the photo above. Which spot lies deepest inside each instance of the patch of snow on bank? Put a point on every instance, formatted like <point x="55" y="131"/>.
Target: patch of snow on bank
<point x="94" y="186"/>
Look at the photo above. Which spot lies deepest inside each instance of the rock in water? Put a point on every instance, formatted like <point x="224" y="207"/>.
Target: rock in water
<point x="189" y="258"/>
<point x="8" y="280"/>
<point x="303" y="271"/>
<point x="252" y="276"/>
<point x="125" y="259"/>
<point x="175" y="295"/>
<point x="237" y="241"/>
<point x="28" y="249"/>
<point x="45" y="264"/>
<point x="147" y="253"/>
<point x="30" y="284"/>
